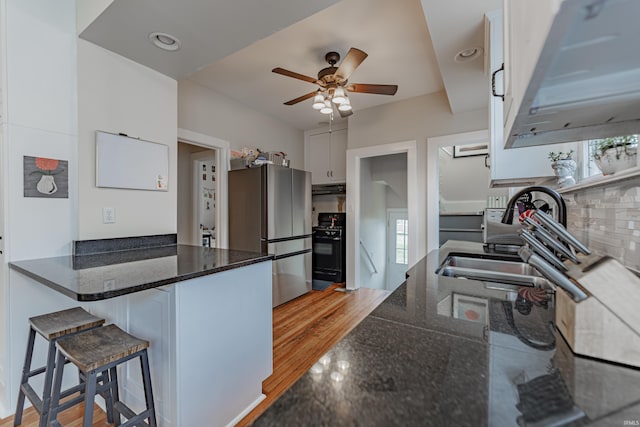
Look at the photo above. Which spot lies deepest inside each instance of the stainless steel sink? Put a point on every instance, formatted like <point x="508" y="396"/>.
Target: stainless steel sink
<point x="506" y="270"/>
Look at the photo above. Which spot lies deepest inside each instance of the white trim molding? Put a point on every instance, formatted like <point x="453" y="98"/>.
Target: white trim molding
<point x="415" y="202"/>
<point x="222" y="165"/>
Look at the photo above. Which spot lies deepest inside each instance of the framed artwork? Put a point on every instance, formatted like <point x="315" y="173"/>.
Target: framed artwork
<point x="48" y="178"/>
<point x="470" y="150"/>
<point x="473" y="309"/>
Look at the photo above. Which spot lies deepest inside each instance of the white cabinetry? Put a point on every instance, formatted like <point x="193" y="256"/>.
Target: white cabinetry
<point x="526" y="25"/>
<point x="150" y="315"/>
<point x="325" y="156"/>
<point x="517" y="166"/>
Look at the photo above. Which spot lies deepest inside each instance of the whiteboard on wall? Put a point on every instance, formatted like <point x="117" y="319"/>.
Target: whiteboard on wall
<point x="132" y="163"/>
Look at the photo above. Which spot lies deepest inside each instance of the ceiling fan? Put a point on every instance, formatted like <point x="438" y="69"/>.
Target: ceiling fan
<point x="334" y="83"/>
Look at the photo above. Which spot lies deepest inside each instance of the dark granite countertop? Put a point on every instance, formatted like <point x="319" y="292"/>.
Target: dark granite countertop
<point x="416" y="361"/>
<point x="107" y="275"/>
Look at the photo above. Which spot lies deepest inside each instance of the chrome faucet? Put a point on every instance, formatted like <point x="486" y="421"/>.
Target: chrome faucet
<point x="507" y="218"/>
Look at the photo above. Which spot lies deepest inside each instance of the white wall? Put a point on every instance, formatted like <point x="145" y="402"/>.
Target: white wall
<point x="416" y="119"/>
<point x="39" y="79"/>
<point x="373" y="217"/>
<point x="392" y="170"/>
<point x="208" y="112"/>
<point x="464" y="182"/>
<point x="411" y="119"/>
<point x="88" y="11"/>
<point x="116" y="95"/>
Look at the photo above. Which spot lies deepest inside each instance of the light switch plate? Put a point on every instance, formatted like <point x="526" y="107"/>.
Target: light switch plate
<point x="108" y="215"/>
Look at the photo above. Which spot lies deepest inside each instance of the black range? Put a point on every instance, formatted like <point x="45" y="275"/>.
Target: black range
<point x="329" y="251"/>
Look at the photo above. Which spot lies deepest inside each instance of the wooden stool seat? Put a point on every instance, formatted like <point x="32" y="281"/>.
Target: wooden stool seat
<point x="97" y="354"/>
<point x="51" y="327"/>
<point x="65" y="322"/>
<point x="99" y="347"/>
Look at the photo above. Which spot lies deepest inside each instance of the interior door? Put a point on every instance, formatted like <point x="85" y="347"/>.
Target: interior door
<point x="397" y="247"/>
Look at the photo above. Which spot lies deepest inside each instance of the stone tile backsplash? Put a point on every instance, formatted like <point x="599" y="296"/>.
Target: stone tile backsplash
<point x="607" y="219"/>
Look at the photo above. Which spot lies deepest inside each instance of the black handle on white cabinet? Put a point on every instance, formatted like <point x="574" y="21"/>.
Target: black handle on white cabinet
<point x="493" y="83"/>
<point x="486" y="162"/>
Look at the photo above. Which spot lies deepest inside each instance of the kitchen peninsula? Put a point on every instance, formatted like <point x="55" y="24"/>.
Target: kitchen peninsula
<point x="447" y="351"/>
<point x="206" y="312"/>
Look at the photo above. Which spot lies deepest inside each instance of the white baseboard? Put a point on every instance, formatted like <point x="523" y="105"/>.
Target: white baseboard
<point x="248" y="409"/>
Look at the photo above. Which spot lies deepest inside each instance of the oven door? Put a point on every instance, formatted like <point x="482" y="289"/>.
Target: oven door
<point x="327" y="255"/>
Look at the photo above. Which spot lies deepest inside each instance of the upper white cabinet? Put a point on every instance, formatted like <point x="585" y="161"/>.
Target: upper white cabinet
<point x="517" y="166"/>
<point x="526" y="25"/>
<point x="325" y="156"/>
<point x="569" y="73"/>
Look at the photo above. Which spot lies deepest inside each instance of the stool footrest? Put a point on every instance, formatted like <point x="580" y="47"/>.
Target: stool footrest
<point x="132" y="418"/>
<point x="33" y="397"/>
<point x="37" y="371"/>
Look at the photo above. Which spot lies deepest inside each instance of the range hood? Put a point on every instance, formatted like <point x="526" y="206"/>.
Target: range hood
<point x="328" y="189"/>
<point x="586" y="83"/>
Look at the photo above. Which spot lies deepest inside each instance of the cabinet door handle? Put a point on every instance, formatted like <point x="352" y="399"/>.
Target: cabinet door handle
<point x="327" y="174"/>
<point x="486" y="162"/>
<point x="331" y="174"/>
<point x="493" y="83"/>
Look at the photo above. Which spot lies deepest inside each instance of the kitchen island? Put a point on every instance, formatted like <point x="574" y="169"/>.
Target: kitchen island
<point x="447" y="351"/>
<point x="206" y="313"/>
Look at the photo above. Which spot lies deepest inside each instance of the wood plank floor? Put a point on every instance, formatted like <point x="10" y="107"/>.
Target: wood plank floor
<point x="303" y="330"/>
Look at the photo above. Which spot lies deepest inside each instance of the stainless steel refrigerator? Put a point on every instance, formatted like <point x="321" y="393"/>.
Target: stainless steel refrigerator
<point x="270" y="212"/>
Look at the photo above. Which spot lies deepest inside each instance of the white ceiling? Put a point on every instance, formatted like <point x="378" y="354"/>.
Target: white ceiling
<point x="233" y="52"/>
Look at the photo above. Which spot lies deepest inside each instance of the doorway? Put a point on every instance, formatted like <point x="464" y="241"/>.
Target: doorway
<point x="203" y="201"/>
<point x="434" y="145"/>
<point x="367" y="217"/>
<point x="203" y="162"/>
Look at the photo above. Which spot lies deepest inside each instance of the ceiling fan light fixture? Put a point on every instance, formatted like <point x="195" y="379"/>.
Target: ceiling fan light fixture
<point x="327" y="109"/>
<point x="339" y="96"/>
<point x="346" y="105"/>
<point x="318" y="102"/>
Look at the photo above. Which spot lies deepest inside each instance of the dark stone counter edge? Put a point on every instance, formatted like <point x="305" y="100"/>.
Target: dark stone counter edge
<point x="137" y="288"/>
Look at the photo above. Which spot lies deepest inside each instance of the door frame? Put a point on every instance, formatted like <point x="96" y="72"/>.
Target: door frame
<point x="222" y="167"/>
<point x="433" y="178"/>
<point x="416" y="201"/>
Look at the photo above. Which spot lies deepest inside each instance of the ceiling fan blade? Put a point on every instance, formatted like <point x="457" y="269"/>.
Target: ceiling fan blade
<point x="343" y="114"/>
<point x="301" y="98"/>
<point x="350" y="62"/>
<point x="298" y="76"/>
<point x="375" y="89"/>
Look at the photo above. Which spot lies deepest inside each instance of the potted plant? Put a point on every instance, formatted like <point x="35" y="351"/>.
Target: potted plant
<point x="564" y="167"/>
<point x="616" y="153"/>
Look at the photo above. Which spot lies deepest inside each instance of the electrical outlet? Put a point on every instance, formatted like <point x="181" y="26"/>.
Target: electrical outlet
<point x="109" y="284"/>
<point x="108" y="215"/>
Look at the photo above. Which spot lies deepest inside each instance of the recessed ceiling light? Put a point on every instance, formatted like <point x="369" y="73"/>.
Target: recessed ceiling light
<point x="165" y="41"/>
<point x="468" y="54"/>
